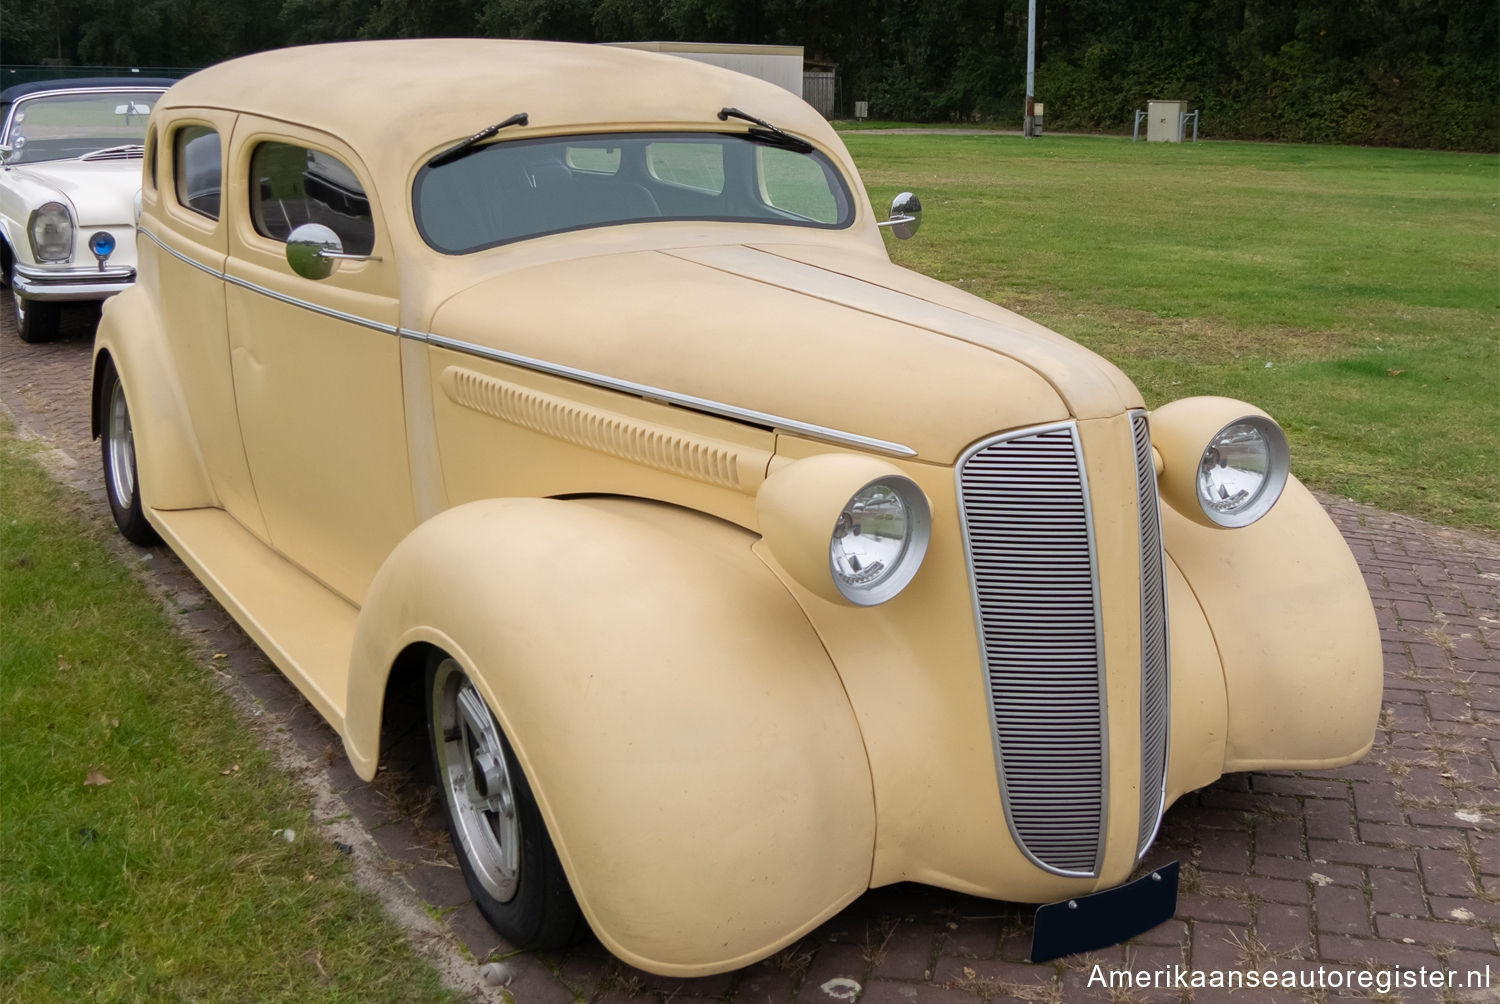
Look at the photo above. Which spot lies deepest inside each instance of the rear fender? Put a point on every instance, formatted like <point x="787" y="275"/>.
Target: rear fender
<point x="170" y="467"/>
<point x="687" y="738"/>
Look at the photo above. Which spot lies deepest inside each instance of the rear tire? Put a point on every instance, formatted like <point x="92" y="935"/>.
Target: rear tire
<point x="508" y="861"/>
<point x="117" y="447"/>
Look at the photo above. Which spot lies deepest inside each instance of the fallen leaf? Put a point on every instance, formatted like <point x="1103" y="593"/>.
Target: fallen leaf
<point x="1394" y="373"/>
<point x="63" y="665"/>
<point x="232" y="770"/>
<point x="220" y="655"/>
<point x="96" y="778"/>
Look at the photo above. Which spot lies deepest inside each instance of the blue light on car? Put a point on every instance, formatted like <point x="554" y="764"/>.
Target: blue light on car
<point x="102" y="244"/>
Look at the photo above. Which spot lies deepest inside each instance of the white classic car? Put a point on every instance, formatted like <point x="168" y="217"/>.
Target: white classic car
<point x="70" y="170"/>
<point x="742" y="569"/>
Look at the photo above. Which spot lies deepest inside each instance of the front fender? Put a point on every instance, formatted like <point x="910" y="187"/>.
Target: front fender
<point x="1291" y="618"/>
<point x="686" y="736"/>
<point x="171" y="468"/>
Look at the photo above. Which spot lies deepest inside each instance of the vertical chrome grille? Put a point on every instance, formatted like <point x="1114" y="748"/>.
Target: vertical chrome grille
<point x="1028" y="528"/>
<point x="1155" y="690"/>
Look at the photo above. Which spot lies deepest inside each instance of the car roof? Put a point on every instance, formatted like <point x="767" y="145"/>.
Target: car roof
<point x="15" y="91"/>
<point x="394" y="100"/>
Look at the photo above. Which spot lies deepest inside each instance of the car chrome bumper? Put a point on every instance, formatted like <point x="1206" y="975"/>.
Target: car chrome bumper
<point x="76" y="283"/>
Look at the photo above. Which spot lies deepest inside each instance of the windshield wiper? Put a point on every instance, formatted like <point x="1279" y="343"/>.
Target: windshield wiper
<point x="766" y="133"/>
<point x="462" y="147"/>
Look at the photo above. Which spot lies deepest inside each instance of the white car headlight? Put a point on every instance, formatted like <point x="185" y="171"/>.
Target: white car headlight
<point x="1242" y="471"/>
<point x="849" y="528"/>
<point x="1224" y="462"/>
<point x="51" y="232"/>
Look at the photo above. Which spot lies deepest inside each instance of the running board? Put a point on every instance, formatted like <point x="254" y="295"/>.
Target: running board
<point x="305" y="628"/>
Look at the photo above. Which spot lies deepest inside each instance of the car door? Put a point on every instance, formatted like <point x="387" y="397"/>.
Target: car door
<point x="183" y="234"/>
<point x="317" y="369"/>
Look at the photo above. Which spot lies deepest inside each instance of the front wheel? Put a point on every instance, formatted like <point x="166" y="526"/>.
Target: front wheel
<point x="36" y="321"/>
<point x="117" y="444"/>
<point x="503" y="848"/>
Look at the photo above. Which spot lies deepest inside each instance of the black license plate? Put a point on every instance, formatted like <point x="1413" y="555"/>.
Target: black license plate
<point x="1105" y="918"/>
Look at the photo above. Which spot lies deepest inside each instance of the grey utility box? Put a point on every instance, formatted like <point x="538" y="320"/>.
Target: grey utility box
<point x="1162" y="118"/>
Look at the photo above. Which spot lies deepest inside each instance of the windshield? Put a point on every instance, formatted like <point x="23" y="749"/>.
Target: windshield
<point x="512" y="190"/>
<point x="63" y="126"/>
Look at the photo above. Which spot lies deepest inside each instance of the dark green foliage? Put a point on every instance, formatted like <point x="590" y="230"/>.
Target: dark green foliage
<point x="1423" y="73"/>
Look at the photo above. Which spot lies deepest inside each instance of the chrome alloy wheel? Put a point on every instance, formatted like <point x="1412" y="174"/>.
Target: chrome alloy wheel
<point x="474" y="776"/>
<point x="121" y="448"/>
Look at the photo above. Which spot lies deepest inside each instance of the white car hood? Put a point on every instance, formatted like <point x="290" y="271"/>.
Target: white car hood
<point x="102" y="193"/>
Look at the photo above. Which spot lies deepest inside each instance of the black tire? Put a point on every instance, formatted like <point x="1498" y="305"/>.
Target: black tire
<point x="37" y="321"/>
<point x="117" y="450"/>
<point x="507" y="858"/>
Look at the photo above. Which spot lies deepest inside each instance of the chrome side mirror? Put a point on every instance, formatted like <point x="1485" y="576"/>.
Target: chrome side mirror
<point x="312" y="248"/>
<point x="906" y="216"/>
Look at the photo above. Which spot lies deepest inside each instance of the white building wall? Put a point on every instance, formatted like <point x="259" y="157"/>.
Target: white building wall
<point x="778" y="64"/>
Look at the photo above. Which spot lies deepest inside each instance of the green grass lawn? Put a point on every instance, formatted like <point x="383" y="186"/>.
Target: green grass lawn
<point x="139" y="850"/>
<point x="1353" y="293"/>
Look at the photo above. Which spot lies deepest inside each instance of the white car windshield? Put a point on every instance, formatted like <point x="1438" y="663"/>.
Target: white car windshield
<point x="514" y="189"/>
<point x="68" y="125"/>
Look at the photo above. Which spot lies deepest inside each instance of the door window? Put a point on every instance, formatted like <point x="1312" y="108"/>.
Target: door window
<point x="292" y="185"/>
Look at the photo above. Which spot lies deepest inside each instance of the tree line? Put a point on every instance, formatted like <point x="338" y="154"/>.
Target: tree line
<point x="1419" y="73"/>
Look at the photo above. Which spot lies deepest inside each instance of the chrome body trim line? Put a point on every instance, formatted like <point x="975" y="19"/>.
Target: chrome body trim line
<point x="1156" y="671"/>
<point x="364" y="322"/>
<point x="1039" y="621"/>
<point x="704" y="405"/>
<point x="143" y="232"/>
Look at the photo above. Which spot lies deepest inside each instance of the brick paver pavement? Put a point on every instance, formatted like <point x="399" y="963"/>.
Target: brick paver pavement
<point x="1394" y="861"/>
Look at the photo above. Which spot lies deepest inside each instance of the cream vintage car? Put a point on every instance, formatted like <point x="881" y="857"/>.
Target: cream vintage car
<point x="70" y="170"/>
<point x="743" y="570"/>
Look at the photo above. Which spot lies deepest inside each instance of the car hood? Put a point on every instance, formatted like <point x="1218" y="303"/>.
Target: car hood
<point x="102" y="192"/>
<point x="841" y="341"/>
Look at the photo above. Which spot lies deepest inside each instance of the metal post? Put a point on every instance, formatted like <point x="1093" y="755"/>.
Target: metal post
<point x="1135" y="134"/>
<point x="1028" y="125"/>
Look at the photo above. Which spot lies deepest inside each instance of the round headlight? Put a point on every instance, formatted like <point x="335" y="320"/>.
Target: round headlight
<point x="1242" y="471"/>
<point x="879" y="540"/>
<point x="51" y="232"/>
<point x="848" y="528"/>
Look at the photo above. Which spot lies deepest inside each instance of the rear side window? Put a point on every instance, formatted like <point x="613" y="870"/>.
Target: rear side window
<point x="292" y="185"/>
<point x="197" y="166"/>
<point x="151" y="159"/>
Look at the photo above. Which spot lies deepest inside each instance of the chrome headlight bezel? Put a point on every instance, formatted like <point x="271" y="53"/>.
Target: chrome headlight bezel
<point x="1246" y="436"/>
<point x="901" y="500"/>
<point x="808" y="507"/>
<point x="51" y="232"/>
